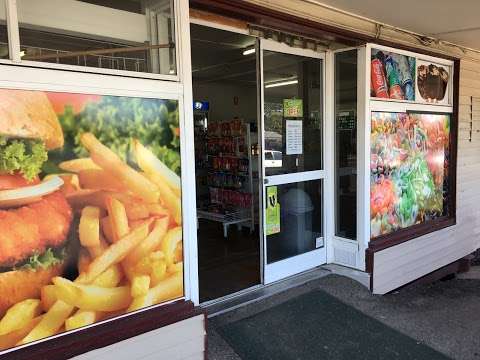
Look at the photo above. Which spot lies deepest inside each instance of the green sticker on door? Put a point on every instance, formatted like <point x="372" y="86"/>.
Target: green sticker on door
<point x="272" y="213"/>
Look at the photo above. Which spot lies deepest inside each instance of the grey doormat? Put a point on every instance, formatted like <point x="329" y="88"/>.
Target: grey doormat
<point x="318" y="326"/>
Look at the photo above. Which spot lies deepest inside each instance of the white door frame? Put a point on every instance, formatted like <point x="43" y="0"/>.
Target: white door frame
<point x="294" y="265"/>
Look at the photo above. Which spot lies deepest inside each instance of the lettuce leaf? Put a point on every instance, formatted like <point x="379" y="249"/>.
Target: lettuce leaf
<point x="24" y="156"/>
<point x="49" y="258"/>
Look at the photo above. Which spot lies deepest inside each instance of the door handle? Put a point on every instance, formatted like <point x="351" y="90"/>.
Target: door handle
<point x="265" y="181"/>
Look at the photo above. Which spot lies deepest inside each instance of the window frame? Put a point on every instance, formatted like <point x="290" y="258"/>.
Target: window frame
<point x="14" y="46"/>
<point x="14" y="75"/>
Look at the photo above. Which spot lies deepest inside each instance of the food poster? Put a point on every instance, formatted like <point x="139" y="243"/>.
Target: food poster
<point x="272" y="211"/>
<point x="392" y="76"/>
<point x="408" y="162"/>
<point x="432" y="82"/>
<point x="90" y="210"/>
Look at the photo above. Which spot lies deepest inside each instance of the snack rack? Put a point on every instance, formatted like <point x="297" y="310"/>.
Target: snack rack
<point x="228" y="163"/>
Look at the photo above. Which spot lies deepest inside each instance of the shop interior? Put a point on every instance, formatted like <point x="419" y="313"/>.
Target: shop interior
<point x="224" y="72"/>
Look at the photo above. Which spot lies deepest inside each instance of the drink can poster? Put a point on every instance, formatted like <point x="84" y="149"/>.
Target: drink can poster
<point x="90" y="210"/>
<point x="392" y="75"/>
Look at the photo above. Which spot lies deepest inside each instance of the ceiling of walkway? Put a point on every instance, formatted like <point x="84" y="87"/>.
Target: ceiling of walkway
<point x="454" y="21"/>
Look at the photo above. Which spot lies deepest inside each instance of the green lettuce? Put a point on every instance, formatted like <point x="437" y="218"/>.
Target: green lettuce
<point x="24" y="156"/>
<point x="43" y="261"/>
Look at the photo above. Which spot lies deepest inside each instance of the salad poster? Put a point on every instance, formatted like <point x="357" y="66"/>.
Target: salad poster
<point x="90" y="210"/>
<point x="408" y="169"/>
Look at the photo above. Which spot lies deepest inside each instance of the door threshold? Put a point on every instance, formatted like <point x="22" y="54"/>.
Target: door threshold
<point x="259" y="292"/>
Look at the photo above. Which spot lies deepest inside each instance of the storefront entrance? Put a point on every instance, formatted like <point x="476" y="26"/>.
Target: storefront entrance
<point x="259" y="140"/>
<point x="293" y="172"/>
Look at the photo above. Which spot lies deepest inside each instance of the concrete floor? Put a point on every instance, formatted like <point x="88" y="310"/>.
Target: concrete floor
<point x="444" y="315"/>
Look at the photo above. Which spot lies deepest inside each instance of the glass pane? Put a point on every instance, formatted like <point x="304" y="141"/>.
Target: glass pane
<point x="346" y="144"/>
<point x="122" y="35"/>
<point x="409" y="164"/>
<point x="301" y="220"/>
<point x="3" y="32"/>
<point x="293" y="113"/>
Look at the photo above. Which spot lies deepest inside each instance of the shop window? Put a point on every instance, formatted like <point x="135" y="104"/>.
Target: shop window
<point x="126" y="35"/>
<point x="105" y="174"/>
<point x="346" y="144"/>
<point x="411" y="168"/>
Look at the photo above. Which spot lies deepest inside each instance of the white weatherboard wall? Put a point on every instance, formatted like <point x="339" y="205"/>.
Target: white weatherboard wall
<point x="401" y="264"/>
<point x="184" y="340"/>
<point x="406" y="262"/>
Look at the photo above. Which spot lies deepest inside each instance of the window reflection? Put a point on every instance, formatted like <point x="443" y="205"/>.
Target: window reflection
<point x="346" y="144"/>
<point x="121" y="35"/>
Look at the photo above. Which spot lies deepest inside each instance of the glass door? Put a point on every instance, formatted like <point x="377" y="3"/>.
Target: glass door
<point x="292" y="104"/>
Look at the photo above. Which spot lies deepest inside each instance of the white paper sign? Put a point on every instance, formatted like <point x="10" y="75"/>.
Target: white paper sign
<point x="294" y="138"/>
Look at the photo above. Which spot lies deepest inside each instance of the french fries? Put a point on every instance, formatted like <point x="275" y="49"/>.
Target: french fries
<point x="150" y="243"/>
<point x="110" y="277"/>
<point x="131" y="253"/>
<point x="168" y="289"/>
<point x="172" y="201"/>
<point x="99" y="179"/>
<point x="91" y="297"/>
<point x="111" y="163"/>
<point x="114" y="254"/>
<point x="19" y="315"/>
<point x="140" y="285"/>
<point x="118" y="218"/>
<point x="12" y="338"/>
<point x="50" y="323"/>
<point x="81" y="318"/>
<point x="89" y="228"/>
<point x="83" y="260"/>
<point x="48" y="297"/>
<point x="149" y="163"/>
<point x="170" y="242"/>
<point x="77" y="165"/>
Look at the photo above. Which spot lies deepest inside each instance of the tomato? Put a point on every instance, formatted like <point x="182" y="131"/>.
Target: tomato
<point x="13" y="181"/>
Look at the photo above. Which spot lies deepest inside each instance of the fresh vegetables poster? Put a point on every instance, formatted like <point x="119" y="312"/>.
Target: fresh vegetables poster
<point x="408" y="169"/>
<point x="90" y="210"/>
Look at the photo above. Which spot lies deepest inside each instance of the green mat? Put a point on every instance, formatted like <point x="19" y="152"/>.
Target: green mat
<point x="316" y="326"/>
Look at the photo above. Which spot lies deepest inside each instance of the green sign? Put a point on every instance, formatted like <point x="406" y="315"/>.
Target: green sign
<point x="272" y="211"/>
<point x="293" y="108"/>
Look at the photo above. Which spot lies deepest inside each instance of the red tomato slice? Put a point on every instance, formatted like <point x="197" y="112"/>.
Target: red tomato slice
<point x="14" y="181"/>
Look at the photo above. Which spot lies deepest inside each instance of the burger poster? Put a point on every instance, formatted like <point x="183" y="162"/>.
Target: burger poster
<point x="90" y="210"/>
<point x="408" y="169"/>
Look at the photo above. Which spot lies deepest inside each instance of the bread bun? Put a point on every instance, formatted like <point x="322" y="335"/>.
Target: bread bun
<point x="29" y="114"/>
<point x="19" y="285"/>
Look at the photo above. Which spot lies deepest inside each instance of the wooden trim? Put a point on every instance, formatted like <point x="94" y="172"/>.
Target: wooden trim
<point x="66" y="346"/>
<point x="259" y="15"/>
<point x="218" y="19"/>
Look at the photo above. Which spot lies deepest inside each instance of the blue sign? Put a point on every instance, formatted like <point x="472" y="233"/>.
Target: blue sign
<point x="200" y="105"/>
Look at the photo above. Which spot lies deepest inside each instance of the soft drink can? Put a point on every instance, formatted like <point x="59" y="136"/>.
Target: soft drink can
<point x="394" y="90"/>
<point x="378" y="80"/>
<point x="405" y="76"/>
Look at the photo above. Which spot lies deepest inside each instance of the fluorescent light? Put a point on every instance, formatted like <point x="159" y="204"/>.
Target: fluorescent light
<point x="282" y="83"/>
<point x="249" y="51"/>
